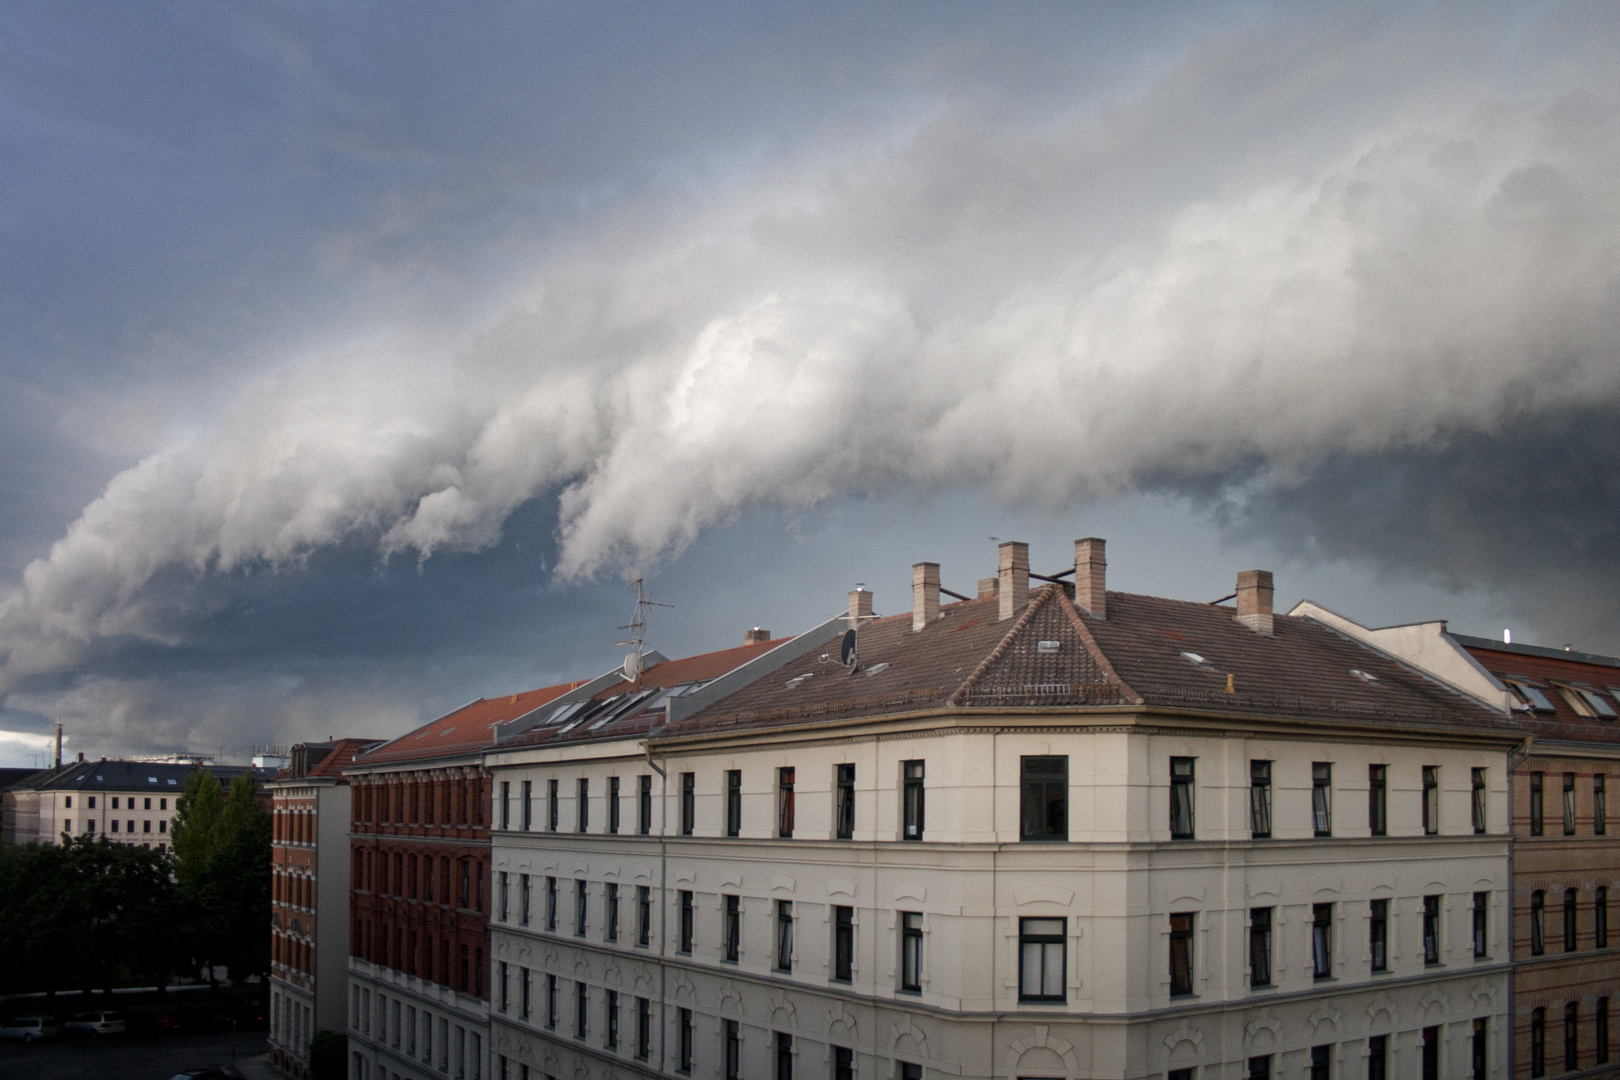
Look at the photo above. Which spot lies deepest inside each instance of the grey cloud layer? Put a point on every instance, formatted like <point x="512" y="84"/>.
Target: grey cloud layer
<point x="1303" y="243"/>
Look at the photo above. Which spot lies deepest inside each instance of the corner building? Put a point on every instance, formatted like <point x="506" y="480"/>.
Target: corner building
<point x="1049" y="833"/>
<point x="418" y="974"/>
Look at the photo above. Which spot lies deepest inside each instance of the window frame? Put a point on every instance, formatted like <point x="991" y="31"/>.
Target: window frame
<point x="644" y="803"/>
<point x="731" y="928"/>
<point x="1260" y="799"/>
<point x="1183" y="798"/>
<point x="1600" y="804"/>
<point x="1538" y="923"/>
<point x="1378" y="800"/>
<point x="1538" y="1042"/>
<point x="1378" y="935"/>
<point x="613" y="806"/>
<point x="1048" y="944"/>
<point x="843" y="966"/>
<point x="1538" y="807"/>
<point x="1322" y="798"/>
<point x="1431" y="931"/>
<point x="1480" y="927"/>
<point x="687" y="919"/>
<point x="1431" y="800"/>
<point x="1183" y="928"/>
<point x="913" y="798"/>
<point x="1569" y="804"/>
<point x="1321" y="942"/>
<point x="1043" y="785"/>
<point x="785" y="802"/>
<point x="1479" y="807"/>
<point x="1260" y="947"/>
<point x="733" y="802"/>
<point x="911" y="952"/>
<point x="688" y="803"/>
<point x="784" y="937"/>
<point x="1572" y="921"/>
<point x="844" y="809"/>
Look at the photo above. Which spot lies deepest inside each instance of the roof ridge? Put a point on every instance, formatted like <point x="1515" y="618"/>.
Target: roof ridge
<point x="1042" y="598"/>
<point x="1095" y="649"/>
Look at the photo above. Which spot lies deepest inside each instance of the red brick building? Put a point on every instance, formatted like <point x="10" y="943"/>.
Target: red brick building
<point x="419" y="905"/>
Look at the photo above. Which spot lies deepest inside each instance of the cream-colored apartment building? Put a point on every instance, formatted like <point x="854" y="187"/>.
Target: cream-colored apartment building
<point x="1048" y="833"/>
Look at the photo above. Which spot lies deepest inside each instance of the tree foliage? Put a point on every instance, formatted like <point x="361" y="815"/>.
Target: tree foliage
<point x="222" y="866"/>
<point x="328" y="1055"/>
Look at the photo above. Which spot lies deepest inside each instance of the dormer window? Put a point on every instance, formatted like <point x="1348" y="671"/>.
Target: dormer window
<point x="1585" y="700"/>
<point x="1529" y="694"/>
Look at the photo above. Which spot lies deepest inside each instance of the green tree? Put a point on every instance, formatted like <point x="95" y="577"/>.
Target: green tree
<point x="328" y="1055"/>
<point x="222" y="864"/>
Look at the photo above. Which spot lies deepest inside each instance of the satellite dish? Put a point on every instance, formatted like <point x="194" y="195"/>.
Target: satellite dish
<point x="632" y="666"/>
<point x="847" y="650"/>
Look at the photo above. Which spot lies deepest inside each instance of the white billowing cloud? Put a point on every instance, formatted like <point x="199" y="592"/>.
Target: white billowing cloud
<point x="890" y="316"/>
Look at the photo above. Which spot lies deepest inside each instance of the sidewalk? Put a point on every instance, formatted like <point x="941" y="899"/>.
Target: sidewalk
<point x="259" y="1068"/>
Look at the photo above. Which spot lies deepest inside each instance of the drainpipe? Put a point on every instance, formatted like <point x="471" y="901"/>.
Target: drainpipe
<point x="663" y="903"/>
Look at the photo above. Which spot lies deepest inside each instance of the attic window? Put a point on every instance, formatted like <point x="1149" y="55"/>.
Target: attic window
<point x="1364" y="676"/>
<point x="878" y="668"/>
<point x="172" y="781"/>
<point x="1046" y="646"/>
<point x="797" y="680"/>
<point x="98" y="776"/>
<point x="1585" y="700"/>
<point x="1194" y="658"/>
<point x="447" y="731"/>
<point x="565" y="711"/>
<point x="1529" y="694"/>
<point x="151" y="779"/>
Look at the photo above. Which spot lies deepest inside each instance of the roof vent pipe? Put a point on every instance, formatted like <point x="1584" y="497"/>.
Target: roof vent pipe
<point x="1091" y="576"/>
<point x="924" y="594"/>
<point x="1254" y="600"/>
<point x="1013" y="560"/>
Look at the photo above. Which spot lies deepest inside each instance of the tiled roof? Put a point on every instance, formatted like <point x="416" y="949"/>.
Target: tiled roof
<point x="461" y="732"/>
<point x="141" y="776"/>
<point x="1545" y="669"/>
<point x="1149" y="650"/>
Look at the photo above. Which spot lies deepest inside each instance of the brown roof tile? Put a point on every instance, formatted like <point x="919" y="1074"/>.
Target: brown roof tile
<point x="1546" y="672"/>
<point x="462" y="731"/>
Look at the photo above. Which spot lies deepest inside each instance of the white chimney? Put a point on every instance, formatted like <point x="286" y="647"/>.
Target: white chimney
<point x="1091" y="576"/>
<point x="860" y="605"/>
<point x="1013" y="558"/>
<point x="1254" y="600"/>
<point x="756" y="636"/>
<point x="924" y="594"/>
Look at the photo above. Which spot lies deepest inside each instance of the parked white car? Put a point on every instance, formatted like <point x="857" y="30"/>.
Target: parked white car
<point x="29" y="1028"/>
<point x="96" y="1023"/>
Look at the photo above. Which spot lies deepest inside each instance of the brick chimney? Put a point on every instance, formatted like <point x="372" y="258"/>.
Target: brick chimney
<point x="1013" y="559"/>
<point x="1091" y="576"/>
<point x="756" y="636"/>
<point x="924" y="594"/>
<point x="1254" y="600"/>
<point x="988" y="587"/>
<point x="860" y="605"/>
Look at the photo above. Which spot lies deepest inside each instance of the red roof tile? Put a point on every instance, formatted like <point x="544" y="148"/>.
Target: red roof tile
<point x="1545" y="672"/>
<point x="460" y="732"/>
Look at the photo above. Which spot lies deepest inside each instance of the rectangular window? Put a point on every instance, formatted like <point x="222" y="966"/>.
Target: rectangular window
<point x="1600" y="1024"/>
<point x="506" y="804"/>
<point x="684" y="1060"/>
<point x="843" y="944"/>
<point x="686" y="922"/>
<point x="1322" y="797"/>
<point x="784" y="1055"/>
<point x="1482" y="906"/>
<point x="732" y="930"/>
<point x="525" y="982"/>
<point x="1042" y="960"/>
<point x="733" y="1050"/>
<point x="1260" y="1068"/>
<point x="613" y="806"/>
<point x="551" y="904"/>
<point x="1322" y="941"/>
<point x="582" y="804"/>
<point x="643" y="915"/>
<point x="1181" y="798"/>
<point x="582" y="1008"/>
<point x="553" y="805"/>
<point x="1538" y="923"/>
<point x="1477" y="804"/>
<point x="1600" y="917"/>
<point x="504" y="890"/>
<point x="644" y="805"/>
<point x="1569" y="804"/>
<point x="1181" y="954"/>
<point x="643" y="1028"/>
<point x="527" y="808"/>
<point x="610" y="911"/>
<point x="1431" y="929"/>
<point x="911" y="951"/>
<point x="1480" y="1049"/>
<point x="1537" y="805"/>
<point x="784" y="935"/>
<point x="523" y="899"/>
<point x="1430" y="1063"/>
<point x="1260" y="946"/>
<point x="733" y="802"/>
<point x="908" y="1071"/>
<point x="1378" y="1057"/>
<point x="846" y="802"/>
<point x="612" y="1020"/>
<point x="1260" y="800"/>
<point x="1321" y="1063"/>
<point x="1600" y="805"/>
<point x="1378" y="935"/>
<point x="1044" y="799"/>
<point x="1572" y="1040"/>
<point x="784" y="802"/>
<point x="581" y="893"/>
<point x="912" y="800"/>
<point x="843" y="1063"/>
<point x="1431" y="800"/>
<point x="688" y="803"/>
<point x="1378" y="800"/>
<point x="1571" y="908"/>
<point x="501" y="996"/>
<point x="1538" y="1042"/>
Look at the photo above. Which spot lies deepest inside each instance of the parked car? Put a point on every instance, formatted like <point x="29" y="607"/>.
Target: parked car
<point x="29" y="1028"/>
<point x="217" y="1073"/>
<point x="96" y="1023"/>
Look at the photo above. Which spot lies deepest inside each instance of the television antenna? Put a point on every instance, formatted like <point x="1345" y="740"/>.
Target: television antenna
<point x="633" y="665"/>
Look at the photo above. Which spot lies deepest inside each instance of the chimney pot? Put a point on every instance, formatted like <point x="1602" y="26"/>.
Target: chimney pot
<point x="988" y="587"/>
<point x="1091" y="576"/>
<point x="924" y="594"/>
<point x="860" y="605"/>
<point x="1254" y="600"/>
<point x="1013" y="557"/>
<point x="756" y="636"/>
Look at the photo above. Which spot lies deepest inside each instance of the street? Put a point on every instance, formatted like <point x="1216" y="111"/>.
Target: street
<point x="133" y="1057"/>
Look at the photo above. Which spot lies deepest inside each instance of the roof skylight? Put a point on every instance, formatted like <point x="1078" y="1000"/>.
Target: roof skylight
<point x="1194" y="658"/>
<point x="1051" y="647"/>
<point x="1364" y="676"/>
<point x="1529" y="694"/>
